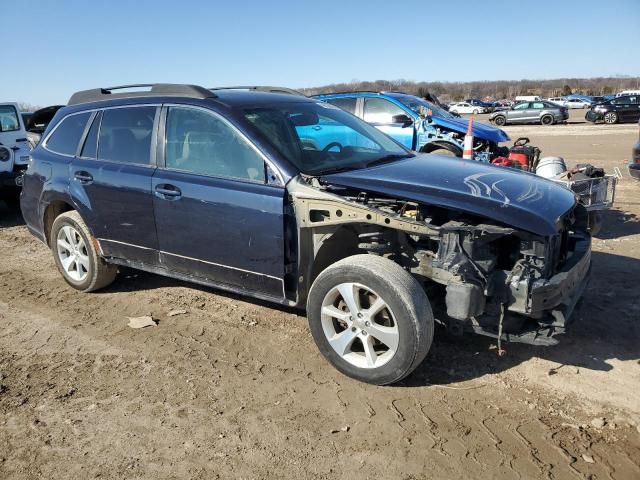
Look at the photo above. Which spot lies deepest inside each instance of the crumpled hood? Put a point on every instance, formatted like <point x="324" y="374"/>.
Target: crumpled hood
<point x="480" y="130"/>
<point x="514" y="198"/>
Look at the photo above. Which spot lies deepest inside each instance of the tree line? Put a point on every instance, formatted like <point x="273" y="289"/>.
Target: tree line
<point x="489" y="90"/>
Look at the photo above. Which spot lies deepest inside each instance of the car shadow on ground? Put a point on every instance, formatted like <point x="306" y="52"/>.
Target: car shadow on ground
<point x="605" y="326"/>
<point x="617" y="224"/>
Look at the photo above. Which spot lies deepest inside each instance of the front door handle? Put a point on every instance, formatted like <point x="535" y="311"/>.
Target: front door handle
<point x="83" y="177"/>
<point x="167" y="191"/>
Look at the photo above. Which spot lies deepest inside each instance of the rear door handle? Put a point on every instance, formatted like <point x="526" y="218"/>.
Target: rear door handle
<point x="83" y="177"/>
<point x="167" y="191"/>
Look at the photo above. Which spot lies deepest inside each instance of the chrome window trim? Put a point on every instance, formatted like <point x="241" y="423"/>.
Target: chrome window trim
<point x="236" y="130"/>
<point x="46" y="140"/>
<point x="194" y="259"/>
<point x="92" y="110"/>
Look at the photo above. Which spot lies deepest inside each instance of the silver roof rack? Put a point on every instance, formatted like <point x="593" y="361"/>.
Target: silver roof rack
<point x="262" y="88"/>
<point x="154" y="90"/>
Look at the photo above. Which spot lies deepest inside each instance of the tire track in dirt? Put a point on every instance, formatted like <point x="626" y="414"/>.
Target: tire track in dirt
<point x="234" y="388"/>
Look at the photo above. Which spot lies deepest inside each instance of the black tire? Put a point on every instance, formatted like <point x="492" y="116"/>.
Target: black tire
<point x="546" y="120"/>
<point x="100" y="273"/>
<point x="404" y="296"/>
<point x="610" y="118"/>
<point x="476" y="112"/>
<point x="500" y="120"/>
<point x="446" y="149"/>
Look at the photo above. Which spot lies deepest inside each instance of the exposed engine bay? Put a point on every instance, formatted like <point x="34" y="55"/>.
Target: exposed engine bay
<point x="479" y="275"/>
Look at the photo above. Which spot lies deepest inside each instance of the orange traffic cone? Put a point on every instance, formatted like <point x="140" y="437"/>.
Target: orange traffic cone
<point x="467" y="152"/>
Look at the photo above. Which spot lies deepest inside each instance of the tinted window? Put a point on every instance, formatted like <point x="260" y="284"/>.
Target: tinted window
<point x="318" y="137"/>
<point x="621" y="101"/>
<point x="348" y="104"/>
<point x="125" y="134"/>
<point x="199" y="142"/>
<point x="66" y="136"/>
<point x="521" y="106"/>
<point x="8" y="119"/>
<point x="379" y="110"/>
<point x="538" y="105"/>
<point x="90" y="148"/>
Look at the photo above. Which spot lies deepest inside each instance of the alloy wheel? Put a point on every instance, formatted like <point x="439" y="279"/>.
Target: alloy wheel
<point x="72" y="253"/>
<point x="359" y="325"/>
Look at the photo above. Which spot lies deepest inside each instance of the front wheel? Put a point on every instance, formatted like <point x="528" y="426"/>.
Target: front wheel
<point x="76" y="255"/>
<point x="475" y="112"/>
<point x="500" y="121"/>
<point x="370" y="319"/>
<point x="610" y="118"/>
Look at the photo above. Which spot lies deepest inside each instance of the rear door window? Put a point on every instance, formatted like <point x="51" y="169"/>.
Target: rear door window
<point x="538" y="105"/>
<point x="348" y="104"/>
<point x="125" y="135"/>
<point x="66" y="136"/>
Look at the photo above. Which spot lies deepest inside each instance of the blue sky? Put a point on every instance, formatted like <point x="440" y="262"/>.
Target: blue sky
<point x="72" y="45"/>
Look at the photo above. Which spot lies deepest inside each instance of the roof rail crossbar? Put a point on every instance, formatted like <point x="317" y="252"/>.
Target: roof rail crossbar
<point x="262" y="88"/>
<point x="155" y="89"/>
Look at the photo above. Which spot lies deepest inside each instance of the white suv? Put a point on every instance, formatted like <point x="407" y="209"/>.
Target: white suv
<point x="14" y="152"/>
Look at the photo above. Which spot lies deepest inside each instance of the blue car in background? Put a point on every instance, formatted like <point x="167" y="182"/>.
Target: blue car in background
<point x="418" y="124"/>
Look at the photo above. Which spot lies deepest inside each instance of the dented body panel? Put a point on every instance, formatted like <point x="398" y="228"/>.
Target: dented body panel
<point x="511" y="197"/>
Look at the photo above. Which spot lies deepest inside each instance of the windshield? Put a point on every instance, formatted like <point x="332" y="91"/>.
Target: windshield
<point x="8" y="119"/>
<point x="319" y="138"/>
<point x="414" y="103"/>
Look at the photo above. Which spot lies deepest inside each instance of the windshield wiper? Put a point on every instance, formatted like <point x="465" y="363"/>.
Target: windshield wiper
<point x="344" y="168"/>
<point x="388" y="158"/>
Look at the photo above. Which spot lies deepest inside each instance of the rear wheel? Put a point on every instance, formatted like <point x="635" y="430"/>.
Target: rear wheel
<point x="475" y="112"/>
<point x="500" y="120"/>
<point x="76" y="256"/>
<point x="610" y="118"/>
<point x="546" y="120"/>
<point x="370" y="319"/>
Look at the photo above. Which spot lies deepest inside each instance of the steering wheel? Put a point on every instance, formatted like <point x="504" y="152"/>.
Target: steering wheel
<point x="331" y="145"/>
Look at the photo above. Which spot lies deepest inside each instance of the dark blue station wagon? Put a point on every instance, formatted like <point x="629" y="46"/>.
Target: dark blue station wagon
<point x="298" y="202"/>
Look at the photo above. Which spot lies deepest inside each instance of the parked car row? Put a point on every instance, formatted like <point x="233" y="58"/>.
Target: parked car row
<point x="418" y="124"/>
<point x="540" y="111"/>
<point x="298" y="202"/>
<point x="625" y="108"/>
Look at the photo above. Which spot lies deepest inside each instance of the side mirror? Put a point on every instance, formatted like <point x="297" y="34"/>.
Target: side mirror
<point x="405" y="120"/>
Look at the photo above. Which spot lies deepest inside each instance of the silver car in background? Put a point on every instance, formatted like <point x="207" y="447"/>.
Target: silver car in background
<point x="540" y="111"/>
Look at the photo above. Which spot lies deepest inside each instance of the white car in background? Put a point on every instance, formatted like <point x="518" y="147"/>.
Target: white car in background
<point x="558" y="100"/>
<point x="576" y="103"/>
<point x="465" y="107"/>
<point x="14" y="152"/>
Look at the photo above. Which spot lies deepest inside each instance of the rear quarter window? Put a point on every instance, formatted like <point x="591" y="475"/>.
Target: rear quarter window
<point x="66" y="136"/>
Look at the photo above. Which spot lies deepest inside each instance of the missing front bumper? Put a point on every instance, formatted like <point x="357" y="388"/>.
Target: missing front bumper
<point x="550" y="304"/>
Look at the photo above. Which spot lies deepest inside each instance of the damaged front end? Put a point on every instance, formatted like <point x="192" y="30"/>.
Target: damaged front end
<point x="508" y="283"/>
<point x="480" y="276"/>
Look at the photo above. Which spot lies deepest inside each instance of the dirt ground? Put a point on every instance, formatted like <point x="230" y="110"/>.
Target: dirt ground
<point x="237" y="389"/>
